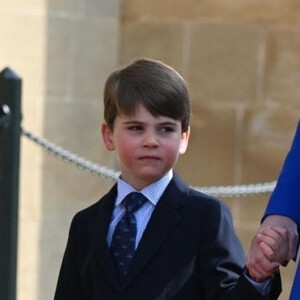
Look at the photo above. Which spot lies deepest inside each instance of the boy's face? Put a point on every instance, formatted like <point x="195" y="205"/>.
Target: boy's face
<point x="147" y="147"/>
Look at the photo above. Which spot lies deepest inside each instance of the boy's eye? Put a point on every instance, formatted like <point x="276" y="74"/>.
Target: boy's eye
<point x="135" y="128"/>
<point x="167" y="129"/>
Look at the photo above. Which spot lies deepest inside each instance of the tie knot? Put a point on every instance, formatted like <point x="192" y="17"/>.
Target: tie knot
<point x="134" y="201"/>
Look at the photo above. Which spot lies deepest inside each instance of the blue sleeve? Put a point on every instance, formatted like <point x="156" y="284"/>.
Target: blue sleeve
<point x="285" y="199"/>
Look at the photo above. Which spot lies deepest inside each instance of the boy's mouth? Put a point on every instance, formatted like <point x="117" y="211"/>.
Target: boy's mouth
<point x="149" y="158"/>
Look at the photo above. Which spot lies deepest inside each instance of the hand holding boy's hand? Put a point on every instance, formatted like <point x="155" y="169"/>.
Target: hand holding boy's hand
<point x="274" y="243"/>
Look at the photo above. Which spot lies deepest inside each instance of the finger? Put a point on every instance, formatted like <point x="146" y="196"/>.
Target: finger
<point x="277" y="233"/>
<point x="256" y="276"/>
<point x="255" y="272"/>
<point x="260" y="274"/>
<point x="274" y="241"/>
<point x="289" y="238"/>
<point x="281" y="231"/>
<point x="293" y="244"/>
<point x="267" y="251"/>
<point x="274" y="250"/>
<point x="260" y="262"/>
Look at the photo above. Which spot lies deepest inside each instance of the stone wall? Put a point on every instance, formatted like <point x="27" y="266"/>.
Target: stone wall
<point x="240" y="60"/>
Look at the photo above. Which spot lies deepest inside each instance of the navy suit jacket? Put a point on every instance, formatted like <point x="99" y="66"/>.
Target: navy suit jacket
<point x="285" y="199"/>
<point x="189" y="251"/>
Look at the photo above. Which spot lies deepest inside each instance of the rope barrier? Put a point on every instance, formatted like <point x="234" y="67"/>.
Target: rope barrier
<point x="80" y="162"/>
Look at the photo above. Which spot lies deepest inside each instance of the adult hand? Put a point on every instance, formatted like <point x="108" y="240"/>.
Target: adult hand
<point x="289" y="236"/>
<point x="273" y="241"/>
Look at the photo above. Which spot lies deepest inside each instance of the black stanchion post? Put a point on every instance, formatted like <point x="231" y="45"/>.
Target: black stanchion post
<point x="10" y="119"/>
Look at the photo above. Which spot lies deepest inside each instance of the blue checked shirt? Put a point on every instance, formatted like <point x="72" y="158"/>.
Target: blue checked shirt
<point x="152" y="192"/>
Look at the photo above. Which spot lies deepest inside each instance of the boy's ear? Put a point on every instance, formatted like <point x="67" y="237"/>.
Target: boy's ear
<point x="107" y="137"/>
<point x="184" y="141"/>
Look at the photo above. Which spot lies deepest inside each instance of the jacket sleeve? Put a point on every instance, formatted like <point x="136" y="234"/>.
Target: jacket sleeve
<point x="69" y="284"/>
<point x="285" y="199"/>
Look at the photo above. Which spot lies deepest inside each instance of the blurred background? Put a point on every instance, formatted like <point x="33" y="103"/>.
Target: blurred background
<point x="242" y="65"/>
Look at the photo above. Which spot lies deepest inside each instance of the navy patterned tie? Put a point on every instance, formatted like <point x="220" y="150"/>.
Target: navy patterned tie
<point x="123" y="240"/>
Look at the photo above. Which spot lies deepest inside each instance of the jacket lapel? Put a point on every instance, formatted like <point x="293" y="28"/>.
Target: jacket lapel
<point x="98" y="231"/>
<point x="164" y="220"/>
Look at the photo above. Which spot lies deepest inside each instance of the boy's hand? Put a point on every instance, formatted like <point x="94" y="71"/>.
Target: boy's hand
<point x="264" y="246"/>
<point x="274" y="244"/>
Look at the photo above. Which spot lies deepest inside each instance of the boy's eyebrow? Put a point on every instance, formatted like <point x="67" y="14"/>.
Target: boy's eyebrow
<point x="132" y="122"/>
<point x="164" y="123"/>
<point x="169" y="123"/>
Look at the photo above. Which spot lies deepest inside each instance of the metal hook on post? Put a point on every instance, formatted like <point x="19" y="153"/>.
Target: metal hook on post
<point x="5" y="115"/>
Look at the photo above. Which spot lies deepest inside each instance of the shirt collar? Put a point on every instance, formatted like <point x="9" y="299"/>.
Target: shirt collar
<point x="152" y="192"/>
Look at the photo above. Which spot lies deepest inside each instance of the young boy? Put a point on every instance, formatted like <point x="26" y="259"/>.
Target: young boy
<point x="177" y="243"/>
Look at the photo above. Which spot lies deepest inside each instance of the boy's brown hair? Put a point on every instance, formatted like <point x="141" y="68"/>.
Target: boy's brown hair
<point x="155" y="85"/>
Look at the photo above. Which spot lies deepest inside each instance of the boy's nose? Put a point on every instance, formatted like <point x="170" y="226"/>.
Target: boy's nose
<point x="150" y="139"/>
